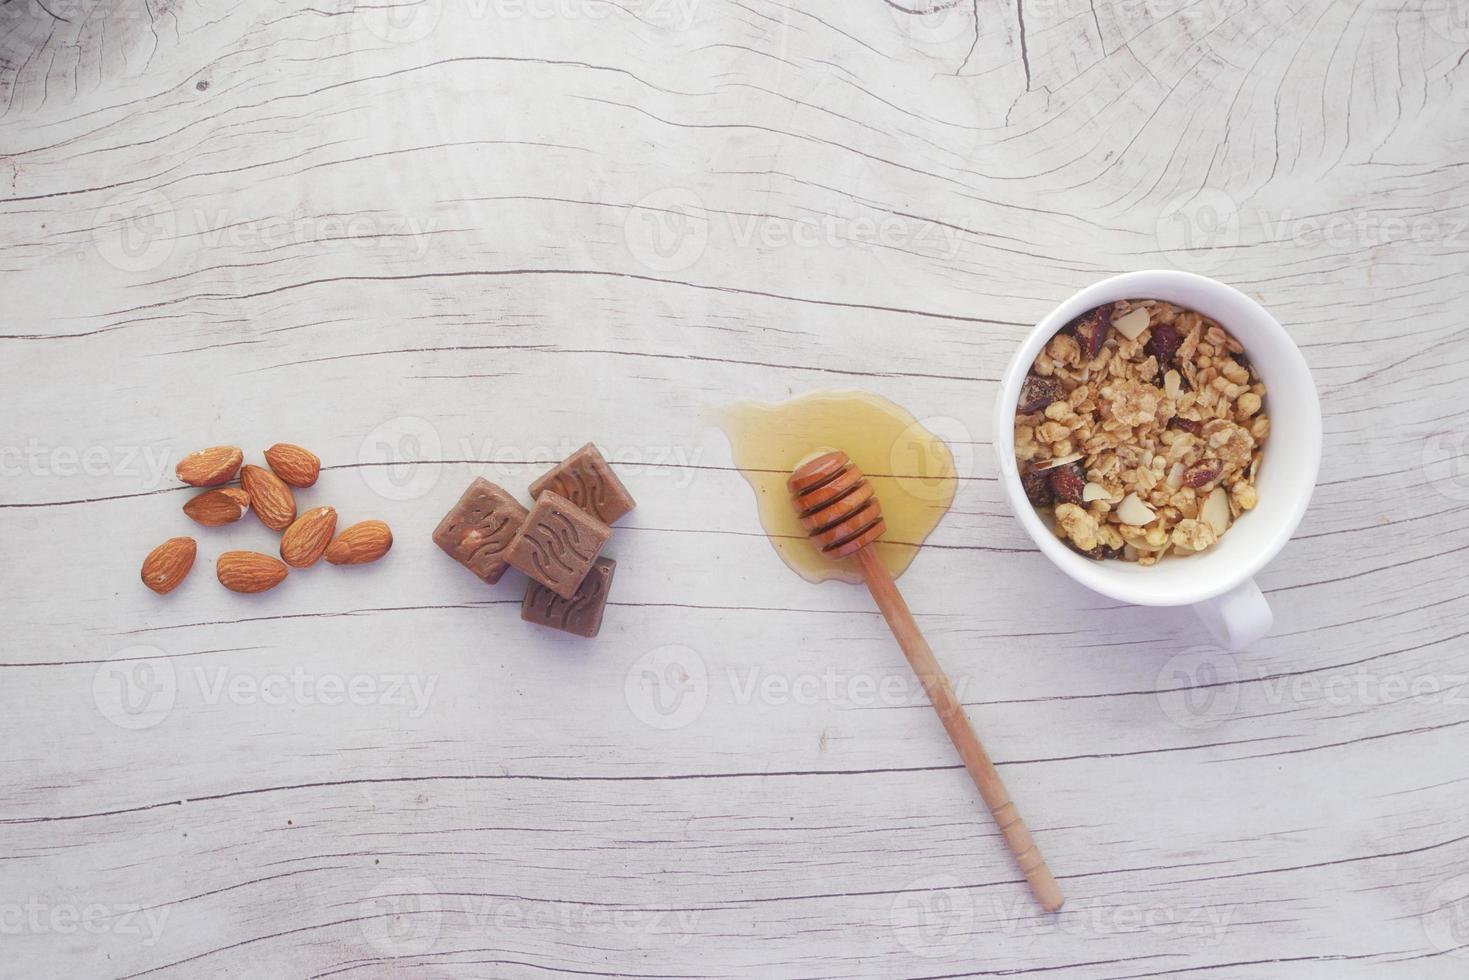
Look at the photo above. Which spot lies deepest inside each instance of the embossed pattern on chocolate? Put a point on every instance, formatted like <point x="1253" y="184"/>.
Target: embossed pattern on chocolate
<point x="479" y="529"/>
<point x="557" y="543"/>
<point x="585" y="479"/>
<point x="582" y="613"/>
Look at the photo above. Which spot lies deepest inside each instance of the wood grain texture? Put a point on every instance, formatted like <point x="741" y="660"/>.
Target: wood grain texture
<point x="389" y="232"/>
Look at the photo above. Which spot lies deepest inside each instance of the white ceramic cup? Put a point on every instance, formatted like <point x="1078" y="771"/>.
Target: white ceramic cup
<point x="1217" y="582"/>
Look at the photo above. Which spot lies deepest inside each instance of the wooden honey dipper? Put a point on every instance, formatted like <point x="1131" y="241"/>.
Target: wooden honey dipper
<point x="841" y="514"/>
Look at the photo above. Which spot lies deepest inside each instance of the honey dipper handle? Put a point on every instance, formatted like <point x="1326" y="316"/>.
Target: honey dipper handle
<point x="986" y="777"/>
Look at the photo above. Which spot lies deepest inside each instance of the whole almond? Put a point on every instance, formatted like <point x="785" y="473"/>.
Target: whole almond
<point x="210" y="467"/>
<point x="168" y="564"/>
<point x="360" y="544"/>
<point x="249" y="571"/>
<point x="273" y="501"/>
<point x="295" y="465"/>
<point x="307" y="538"/>
<point x="214" y="508"/>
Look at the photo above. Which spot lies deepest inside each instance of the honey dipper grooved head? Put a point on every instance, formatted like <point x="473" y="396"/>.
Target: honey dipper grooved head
<point x="836" y="505"/>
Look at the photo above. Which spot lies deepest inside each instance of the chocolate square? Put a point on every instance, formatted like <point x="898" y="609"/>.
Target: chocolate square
<point x="479" y="529"/>
<point x="585" y="479"/>
<point x="582" y="613"/>
<point x="557" y="543"/>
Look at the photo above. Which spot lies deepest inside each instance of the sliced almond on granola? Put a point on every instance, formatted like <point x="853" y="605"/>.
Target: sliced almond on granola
<point x="1133" y="511"/>
<point x="1215" y="511"/>
<point x="1059" y="461"/>
<point x="1132" y="323"/>
<point x="1093" y="491"/>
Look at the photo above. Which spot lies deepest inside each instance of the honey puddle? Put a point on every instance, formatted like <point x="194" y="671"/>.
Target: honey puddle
<point x="911" y="469"/>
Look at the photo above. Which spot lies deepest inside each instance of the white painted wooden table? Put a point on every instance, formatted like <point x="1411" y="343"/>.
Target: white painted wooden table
<point x="393" y="232"/>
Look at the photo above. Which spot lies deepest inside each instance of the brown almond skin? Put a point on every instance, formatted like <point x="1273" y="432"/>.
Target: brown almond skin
<point x="360" y="544"/>
<point x="214" y="508"/>
<point x="210" y="467"/>
<point x="273" y="501"/>
<point x="1037" y="484"/>
<point x="296" y="466"/>
<point x="249" y="571"/>
<point x="306" y="539"/>
<point x="1038" y="392"/>
<point x="1092" y="329"/>
<point x="1067" y="483"/>
<point x="1202" y="472"/>
<point x="168" y="564"/>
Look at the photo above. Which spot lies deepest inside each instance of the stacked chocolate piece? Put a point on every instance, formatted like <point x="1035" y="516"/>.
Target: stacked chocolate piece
<point x="558" y="542"/>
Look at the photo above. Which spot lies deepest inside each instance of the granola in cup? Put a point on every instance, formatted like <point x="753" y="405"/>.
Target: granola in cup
<point x="1139" y="431"/>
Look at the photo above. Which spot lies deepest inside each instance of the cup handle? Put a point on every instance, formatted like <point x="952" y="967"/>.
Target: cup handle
<point x="1237" y="618"/>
